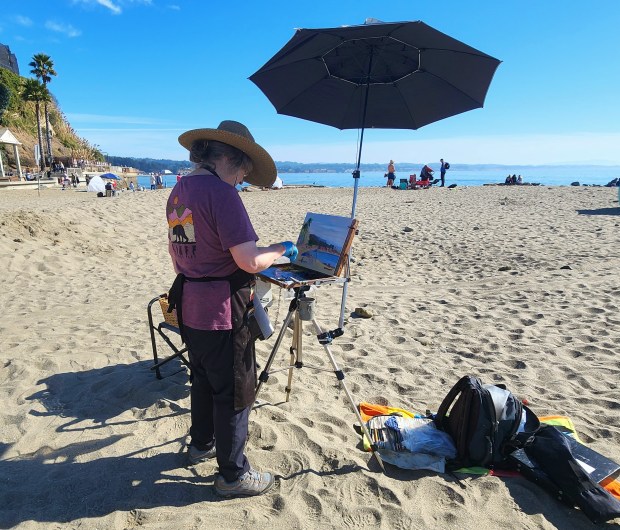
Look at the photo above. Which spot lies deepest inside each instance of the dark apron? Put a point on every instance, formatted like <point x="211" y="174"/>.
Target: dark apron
<point x="241" y="307"/>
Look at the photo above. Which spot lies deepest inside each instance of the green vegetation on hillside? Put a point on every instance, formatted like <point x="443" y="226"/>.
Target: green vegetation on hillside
<point x="149" y="165"/>
<point x="20" y="118"/>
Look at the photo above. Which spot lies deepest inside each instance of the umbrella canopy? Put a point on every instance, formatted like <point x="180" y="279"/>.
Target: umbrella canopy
<point x="111" y="176"/>
<point x="401" y="75"/>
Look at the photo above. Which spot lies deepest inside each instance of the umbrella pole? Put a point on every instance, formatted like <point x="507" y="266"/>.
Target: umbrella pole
<point x="345" y="288"/>
<point x="356" y="178"/>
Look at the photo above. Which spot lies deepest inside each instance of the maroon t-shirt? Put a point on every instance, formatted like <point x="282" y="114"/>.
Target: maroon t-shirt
<point x="206" y="217"/>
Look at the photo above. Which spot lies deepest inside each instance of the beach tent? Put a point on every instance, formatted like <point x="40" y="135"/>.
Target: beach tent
<point x="277" y="184"/>
<point x="96" y="184"/>
<point x="6" y="137"/>
<point x="111" y="176"/>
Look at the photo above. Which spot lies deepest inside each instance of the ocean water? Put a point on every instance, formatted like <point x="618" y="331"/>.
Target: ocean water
<point x="544" y="175"/>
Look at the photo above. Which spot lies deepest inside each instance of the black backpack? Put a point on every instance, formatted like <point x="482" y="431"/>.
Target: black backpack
<point x="483" y="421"/>
<point x="446" y="165"/>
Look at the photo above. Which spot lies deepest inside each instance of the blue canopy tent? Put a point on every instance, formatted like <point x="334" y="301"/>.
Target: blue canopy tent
<point x="111" y="176"/>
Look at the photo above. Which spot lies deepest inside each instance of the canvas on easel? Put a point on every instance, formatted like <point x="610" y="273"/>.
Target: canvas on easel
<point x="323" y="243"/>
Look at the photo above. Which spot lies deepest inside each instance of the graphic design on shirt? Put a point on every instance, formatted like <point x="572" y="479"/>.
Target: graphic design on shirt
<point x="181" y="229"/>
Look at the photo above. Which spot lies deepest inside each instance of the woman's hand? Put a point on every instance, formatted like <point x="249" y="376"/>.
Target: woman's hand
<point x="290" y="250"/>
<point x="254" y="259"/>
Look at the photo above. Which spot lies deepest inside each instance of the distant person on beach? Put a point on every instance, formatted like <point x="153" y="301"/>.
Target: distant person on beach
<point x="519" y="180"/>
<point x="153" y="182"/>
<point x="442" y="173"/>
<point x="412" y="179"/>
<point x="426" y="173"/>
<point x="212" y="293"/>
<point x="131" y="186"/>
<point x="391" y="174"/>
<point x="508" y="180"/>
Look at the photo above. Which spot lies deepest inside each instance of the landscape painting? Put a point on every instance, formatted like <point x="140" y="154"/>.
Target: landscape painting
<point x="324" y="241"/>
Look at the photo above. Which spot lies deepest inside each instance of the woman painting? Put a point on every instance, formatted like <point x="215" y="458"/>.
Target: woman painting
<point x="213" y="248"/>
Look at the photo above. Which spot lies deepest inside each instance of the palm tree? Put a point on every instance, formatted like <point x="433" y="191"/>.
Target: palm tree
<point x="43" y="68"/>
<point x="33" y="90"/>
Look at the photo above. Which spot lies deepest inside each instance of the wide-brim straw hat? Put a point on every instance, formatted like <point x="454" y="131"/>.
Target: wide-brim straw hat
<point x="236" y="134"/>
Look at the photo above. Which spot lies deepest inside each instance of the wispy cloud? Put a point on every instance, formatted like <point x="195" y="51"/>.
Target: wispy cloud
<point x="174" y="7"/>
<point x="66" y="29"/>
<point x="116" y="9"/>
<point x="22" y="21"/>
<point x="108" y="4"/>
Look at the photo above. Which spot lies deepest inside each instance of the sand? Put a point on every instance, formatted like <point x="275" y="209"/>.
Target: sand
<point x="512" y="284"/>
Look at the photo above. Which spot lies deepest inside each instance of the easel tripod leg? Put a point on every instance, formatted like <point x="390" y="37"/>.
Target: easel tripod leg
<point x="295" y="353"/>
<point x="340" y="375"/>
<point x="264" y="375"/>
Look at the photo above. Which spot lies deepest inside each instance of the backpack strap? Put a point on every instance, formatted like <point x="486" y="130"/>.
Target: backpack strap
<point x="463" y="383"/>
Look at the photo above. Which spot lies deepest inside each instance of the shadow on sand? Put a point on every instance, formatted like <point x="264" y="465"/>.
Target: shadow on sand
<point x="93" y="397"/>
<point x="61" y="485"/>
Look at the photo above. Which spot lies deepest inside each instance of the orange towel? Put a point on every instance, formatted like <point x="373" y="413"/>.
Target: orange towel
<point x="368" y="410"/>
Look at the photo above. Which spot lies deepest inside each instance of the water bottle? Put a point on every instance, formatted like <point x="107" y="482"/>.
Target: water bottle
<point x="262" y="319"/>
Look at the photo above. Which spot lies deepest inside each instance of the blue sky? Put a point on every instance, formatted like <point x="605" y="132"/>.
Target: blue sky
<point x="134" y="74"/>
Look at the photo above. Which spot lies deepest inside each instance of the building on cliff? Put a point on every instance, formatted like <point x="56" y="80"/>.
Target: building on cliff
<point x="8" y="59"/>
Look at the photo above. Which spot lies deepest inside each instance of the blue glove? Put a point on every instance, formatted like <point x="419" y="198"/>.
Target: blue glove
<point x="290" y="250"/>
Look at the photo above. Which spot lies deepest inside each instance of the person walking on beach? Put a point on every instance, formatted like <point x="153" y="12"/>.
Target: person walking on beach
<point x="442" y="173"/>
<point x="213" y="291"/>
<point x="391" y="174"/>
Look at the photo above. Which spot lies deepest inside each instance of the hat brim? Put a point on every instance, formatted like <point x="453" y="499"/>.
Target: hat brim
<point x="264" y="168"/>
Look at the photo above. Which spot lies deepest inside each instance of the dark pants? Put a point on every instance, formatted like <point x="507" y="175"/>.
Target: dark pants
<point x="214" y="418"/>
<point x="443" y="178"/>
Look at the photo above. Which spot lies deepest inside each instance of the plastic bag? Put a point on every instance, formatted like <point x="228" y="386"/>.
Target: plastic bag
<point x="428" y="439"/>
<point x="414" y="435"/>
<point x="411" y="443"/>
